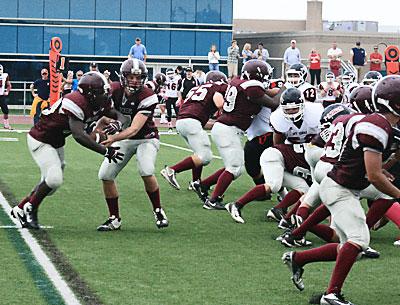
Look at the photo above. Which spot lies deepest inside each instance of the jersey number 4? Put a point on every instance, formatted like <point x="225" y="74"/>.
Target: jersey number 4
<point x="230" y="99"/>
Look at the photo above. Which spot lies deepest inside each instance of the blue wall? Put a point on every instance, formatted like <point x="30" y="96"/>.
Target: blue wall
<point x="115" y="41"/>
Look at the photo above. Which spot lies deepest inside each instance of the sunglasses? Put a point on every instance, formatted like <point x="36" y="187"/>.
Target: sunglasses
<point x="45" y="73"/>
<point x="79" y="74"/>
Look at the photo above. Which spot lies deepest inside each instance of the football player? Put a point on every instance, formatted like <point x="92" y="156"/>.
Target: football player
<point x="46" y="139"/>
<point x="259" y="137"/>
<point x="5" y="88"/>
<point x="157" y="84"/>
<point x="330" y="90"/>
<point x="295" y="122"/>
<point x="201" y="103"/>
<point x="348" y="81"/>
<point x="244" y="98"/>
<point x="172" y="86"/>
<point x="296" y="76"/>
<point x="367" y="146"/>
<point x="283" y="165"/>
<point x="371" y="78"/>
<point x="133" y="99"/>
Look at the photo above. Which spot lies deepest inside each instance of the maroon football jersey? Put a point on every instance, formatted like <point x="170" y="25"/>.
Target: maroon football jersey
<point x="53" y="126"/>
<point x="144" y="101"/>
<point x="293" y="156"/>
<point x="199" y="103"/>
<point x="341" y="128"/>
<point x="373" y="132"/>
<point x="238" y="110"/>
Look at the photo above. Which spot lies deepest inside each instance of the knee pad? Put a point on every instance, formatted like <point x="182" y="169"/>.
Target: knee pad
<point x="54" y="177"/>
<point x="205" y="157"/>
<point x="236" y="171"/>
<point x="271" y="154"/>
<point x="147" y="170"/>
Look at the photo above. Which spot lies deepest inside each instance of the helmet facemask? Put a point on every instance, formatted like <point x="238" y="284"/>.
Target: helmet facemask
<point x="293" y="111"/>
<point x="133" y="82"/>
<point x="294" y="77"/>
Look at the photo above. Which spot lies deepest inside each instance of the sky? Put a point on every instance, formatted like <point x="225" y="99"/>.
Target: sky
<point x="386" y="12"/>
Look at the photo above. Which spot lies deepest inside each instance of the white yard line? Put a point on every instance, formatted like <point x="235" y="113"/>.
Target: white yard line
<point x="9" y="140"/>
<point x="19" y="227"/>
<point x="44" y="261"/>
<point x="184" y="149"/>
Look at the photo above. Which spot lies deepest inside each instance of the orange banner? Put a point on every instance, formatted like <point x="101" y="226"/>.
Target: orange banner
<point x="392" y="60"/>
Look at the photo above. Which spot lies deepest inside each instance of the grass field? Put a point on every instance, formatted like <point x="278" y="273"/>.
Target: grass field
<point x="202" y="258"/>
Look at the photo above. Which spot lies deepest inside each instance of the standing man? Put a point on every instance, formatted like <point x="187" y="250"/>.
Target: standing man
<point x="292" y="55"/>
<point x="94" y="67"/>
<point x="358" y="59"/>
<point x="334" y="55"/>
<point x="187" y="83"/>
<point x="376" y="60"/>
<point x="138" y="50"/>
<point x="41" y="96"/>
<point x="233" y="59"/>
<point x="5" y="88"/>
<point x="261" y="53"/>
<point x="75" y="81"/>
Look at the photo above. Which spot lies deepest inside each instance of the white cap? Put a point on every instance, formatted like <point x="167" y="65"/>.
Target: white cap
<point x="293" y="41"/>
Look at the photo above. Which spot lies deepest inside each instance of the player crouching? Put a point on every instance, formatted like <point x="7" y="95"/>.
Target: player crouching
<point x="138" y="102"/>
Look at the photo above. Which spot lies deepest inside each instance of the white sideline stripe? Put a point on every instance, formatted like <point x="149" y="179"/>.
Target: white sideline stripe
<point x="9" y="140"/>
<point x="44" y="261"/>
<point x="19" y="227"/>
<point x="14" y="130"/>
<point x="185" y="149"/>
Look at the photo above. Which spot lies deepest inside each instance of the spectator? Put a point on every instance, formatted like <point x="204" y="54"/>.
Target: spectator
<point x="200" y="76"/>
<point x="5" y="88"/>
<point x="376" y="60"/>
<point x="334" y="55"/>
<point x="41" y="96"/>
<point x="233" y="59"/>
<point x="138" y="50"/>
<point x="67" y="83"/>
<point x="315" y="66"/>
<point x="93" y="67"/>
<point x="107" y="75"/>
<point x="358" y="59"/>
<point x="292" y="55"/>
<point x="247" y="54"/>
<point x="187" y="83"/>
<point x="75" y="82"/>
<point x="213" y="58"/>
<point x="261" y="53"/>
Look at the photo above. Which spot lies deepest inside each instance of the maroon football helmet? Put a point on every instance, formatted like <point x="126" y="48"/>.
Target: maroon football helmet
<point x="361" y="99"/>
<point x="95" y="88"/>
<point x="257" y="70"/>
<point x="133" y="74"/>
<point x="160" y="79"/>
<point x="215" y="76"/>
<point x="386" y="95"/>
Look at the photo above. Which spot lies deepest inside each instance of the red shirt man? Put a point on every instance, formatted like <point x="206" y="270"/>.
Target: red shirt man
<point x="376" y="60"/>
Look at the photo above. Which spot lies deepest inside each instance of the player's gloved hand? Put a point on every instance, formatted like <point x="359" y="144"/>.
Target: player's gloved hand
<point x="112" y="154"/>
<point x="113" y="127"/>
<point x="288" y="85"/>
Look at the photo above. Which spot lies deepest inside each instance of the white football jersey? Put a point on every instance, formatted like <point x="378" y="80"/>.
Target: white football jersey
<point x="309" y="92"/>
<point x="260" y="124"/>
<point x="172" y="86"/>
<point x="329" y="88"/>
<point x="310" y="123"/>
<point x="3" y="83"/>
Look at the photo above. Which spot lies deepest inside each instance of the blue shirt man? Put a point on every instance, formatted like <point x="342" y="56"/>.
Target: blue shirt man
<point x="292" y="54"/>
<point x="138" y="51"/>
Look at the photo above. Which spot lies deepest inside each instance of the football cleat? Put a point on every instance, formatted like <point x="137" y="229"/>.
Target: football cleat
<point x="169" y="175"/>
<point x="296" y="221"/>
<point x="161" y="218"/>
<point x="170" y="131"/>
<point x="31" y="214"/>
<point x="285" y="224"/>
<point x="296" y="270"/>
<point x="18" y="214"/>
<point x="214" y="204"/>
<point x="334" y="299"/>
<point x="370" y="253"/>
<point x="200" y="190"/>
<point x="397" y="243"/>
<point x="282" y="236"/>
<point x="291" y="242"/>
<point x="190" y="187"/>
<point x="275" y="214"/>
<point x="234" y="210"/>
<point x="111" y="224"/>
<point x="315" y="299"/>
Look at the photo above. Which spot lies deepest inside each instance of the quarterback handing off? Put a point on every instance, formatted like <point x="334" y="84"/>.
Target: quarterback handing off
<point x="136" y="101"/>
<point x="46" y="140"/>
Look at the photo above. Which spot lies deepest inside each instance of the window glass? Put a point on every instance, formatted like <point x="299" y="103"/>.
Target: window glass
<point x="208" y="11"/>
<point x="29" y="8"/>
<point x="226" y="11"/>
<point x="182" y="42"/>
<point x="81" y="41"/>
<point x="56" y="9"/>
<point x="183" y="11"/>
<point x="128" y="40"/>
<point x="30" y="40"/>
<point x="108" y="10"/>
<point x="107" y="42"/>
<point x="9" y="39"/>
<point x="133" y="10"/>
<point x="157" y="42"/>
<point x="82" y="9"/>
<point x="204" y="40"/>
<point x="158" y="11"/>
<point x="50" y="32"/>
<point x="8" y="9"/>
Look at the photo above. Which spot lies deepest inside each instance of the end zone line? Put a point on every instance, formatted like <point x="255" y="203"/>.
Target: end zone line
<point x="184" y="149"/>
<point x="44" y="261"/>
